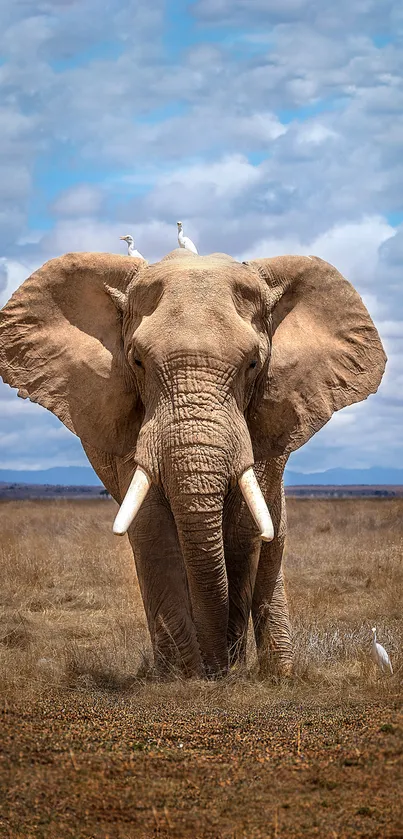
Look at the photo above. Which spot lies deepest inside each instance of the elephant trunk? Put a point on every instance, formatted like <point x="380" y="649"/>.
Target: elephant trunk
<point x="199" y="461"/>
<point x="198" y="518"/>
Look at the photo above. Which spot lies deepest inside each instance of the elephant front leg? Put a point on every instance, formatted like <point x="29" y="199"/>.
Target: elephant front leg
<point x="270" y="614"/>
<point x="164" y="589"/>
<point x="242" y="548"/>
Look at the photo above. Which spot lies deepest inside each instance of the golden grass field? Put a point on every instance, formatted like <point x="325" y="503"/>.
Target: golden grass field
<point x="92" y="748"/>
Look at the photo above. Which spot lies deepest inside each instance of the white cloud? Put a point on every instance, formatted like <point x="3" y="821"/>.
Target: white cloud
<point x="3" y="275"/>
<point x="14" y="273"/>
<point x="315" y="133"/>
<point x="391" y="329"/>
<point x="283" y="135"/>
<point x="82" y="200"/>
<point x="89" y="234"/>
<point x="352" y="248"/>
<point x="228" y="176"/>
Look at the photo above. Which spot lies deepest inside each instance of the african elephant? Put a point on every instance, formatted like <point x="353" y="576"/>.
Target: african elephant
<point x="193" y="369"/>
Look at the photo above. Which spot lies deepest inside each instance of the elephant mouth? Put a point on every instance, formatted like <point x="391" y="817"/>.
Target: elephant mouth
<point x="141" y="483"/>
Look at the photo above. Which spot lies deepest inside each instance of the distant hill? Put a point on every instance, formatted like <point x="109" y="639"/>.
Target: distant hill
<point x="85" y="476"/>
<point x="59" y="475"/>
<point x="375" y="476"/>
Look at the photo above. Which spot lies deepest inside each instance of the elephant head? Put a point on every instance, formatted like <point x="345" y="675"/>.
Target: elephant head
<point x="191" y="369"/>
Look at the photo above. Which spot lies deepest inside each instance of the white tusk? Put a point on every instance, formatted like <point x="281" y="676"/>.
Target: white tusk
<point x="254" y="498"/>
<point x="135" y="495"/>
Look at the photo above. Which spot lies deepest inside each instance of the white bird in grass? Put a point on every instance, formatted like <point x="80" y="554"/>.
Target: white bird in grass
<point x="131" y="250"/>
<point x="380" y="655"/>
<point x="184" y="241"/>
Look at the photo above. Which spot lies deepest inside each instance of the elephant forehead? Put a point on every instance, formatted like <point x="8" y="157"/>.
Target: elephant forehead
<point x="201" y="303"/>
<point x="201" y="278"/>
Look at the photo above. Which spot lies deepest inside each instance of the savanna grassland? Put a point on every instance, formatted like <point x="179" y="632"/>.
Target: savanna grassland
<point x="91" y="748"/>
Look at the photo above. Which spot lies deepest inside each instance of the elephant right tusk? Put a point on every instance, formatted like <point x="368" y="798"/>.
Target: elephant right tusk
<point x="254" y="498"/>
<point x="135" y="495"/>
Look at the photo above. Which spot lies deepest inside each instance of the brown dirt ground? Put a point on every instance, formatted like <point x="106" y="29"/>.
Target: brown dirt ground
<point x="102" y="767"/>
<point x="90" y="750"/>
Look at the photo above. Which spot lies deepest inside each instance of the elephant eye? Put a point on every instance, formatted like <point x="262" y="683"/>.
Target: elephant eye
<point x="252" y="365"/>
<point x="138" y="362"/>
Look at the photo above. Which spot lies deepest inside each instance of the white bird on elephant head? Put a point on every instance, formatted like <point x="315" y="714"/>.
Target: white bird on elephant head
<point x="184" y="241"/>
<point x="131" y="250"/>
<point x="379" y="655"/>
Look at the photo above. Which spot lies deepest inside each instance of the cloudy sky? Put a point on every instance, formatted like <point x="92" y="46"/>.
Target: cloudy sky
<point x="268" y="126"/>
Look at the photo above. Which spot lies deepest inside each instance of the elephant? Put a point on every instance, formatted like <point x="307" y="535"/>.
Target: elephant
<point x="190" y="373"/>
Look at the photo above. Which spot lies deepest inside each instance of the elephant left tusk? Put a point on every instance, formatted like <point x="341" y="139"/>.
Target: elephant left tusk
<point x="254" y="498"/>
<point x="135" y="495"/>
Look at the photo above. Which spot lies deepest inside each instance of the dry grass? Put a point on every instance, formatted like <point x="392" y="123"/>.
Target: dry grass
<point x="71" y="612"/>
<point x="93" y="750"/>
<point x="345" y="574"/>
<point x="70" y="607"/>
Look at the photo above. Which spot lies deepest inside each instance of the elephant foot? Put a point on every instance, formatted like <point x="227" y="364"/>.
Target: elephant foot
<point x="275" y="667"/>
<point x="285" y="669"/>
<point x="214" y="673"/>
<point x="170" y="671"/>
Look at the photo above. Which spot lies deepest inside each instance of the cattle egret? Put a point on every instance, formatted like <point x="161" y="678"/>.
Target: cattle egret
<point x="131" y="250"/>
<point x="380" y="655"/>
<point x="184" y="241"/>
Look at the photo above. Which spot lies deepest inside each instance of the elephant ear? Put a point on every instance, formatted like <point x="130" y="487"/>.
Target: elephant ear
<point x="61" y="345"/>
<point x="326" y="352"/>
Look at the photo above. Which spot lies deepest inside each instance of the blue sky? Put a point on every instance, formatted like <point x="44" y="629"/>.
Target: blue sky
<point x="268" y="126"/>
